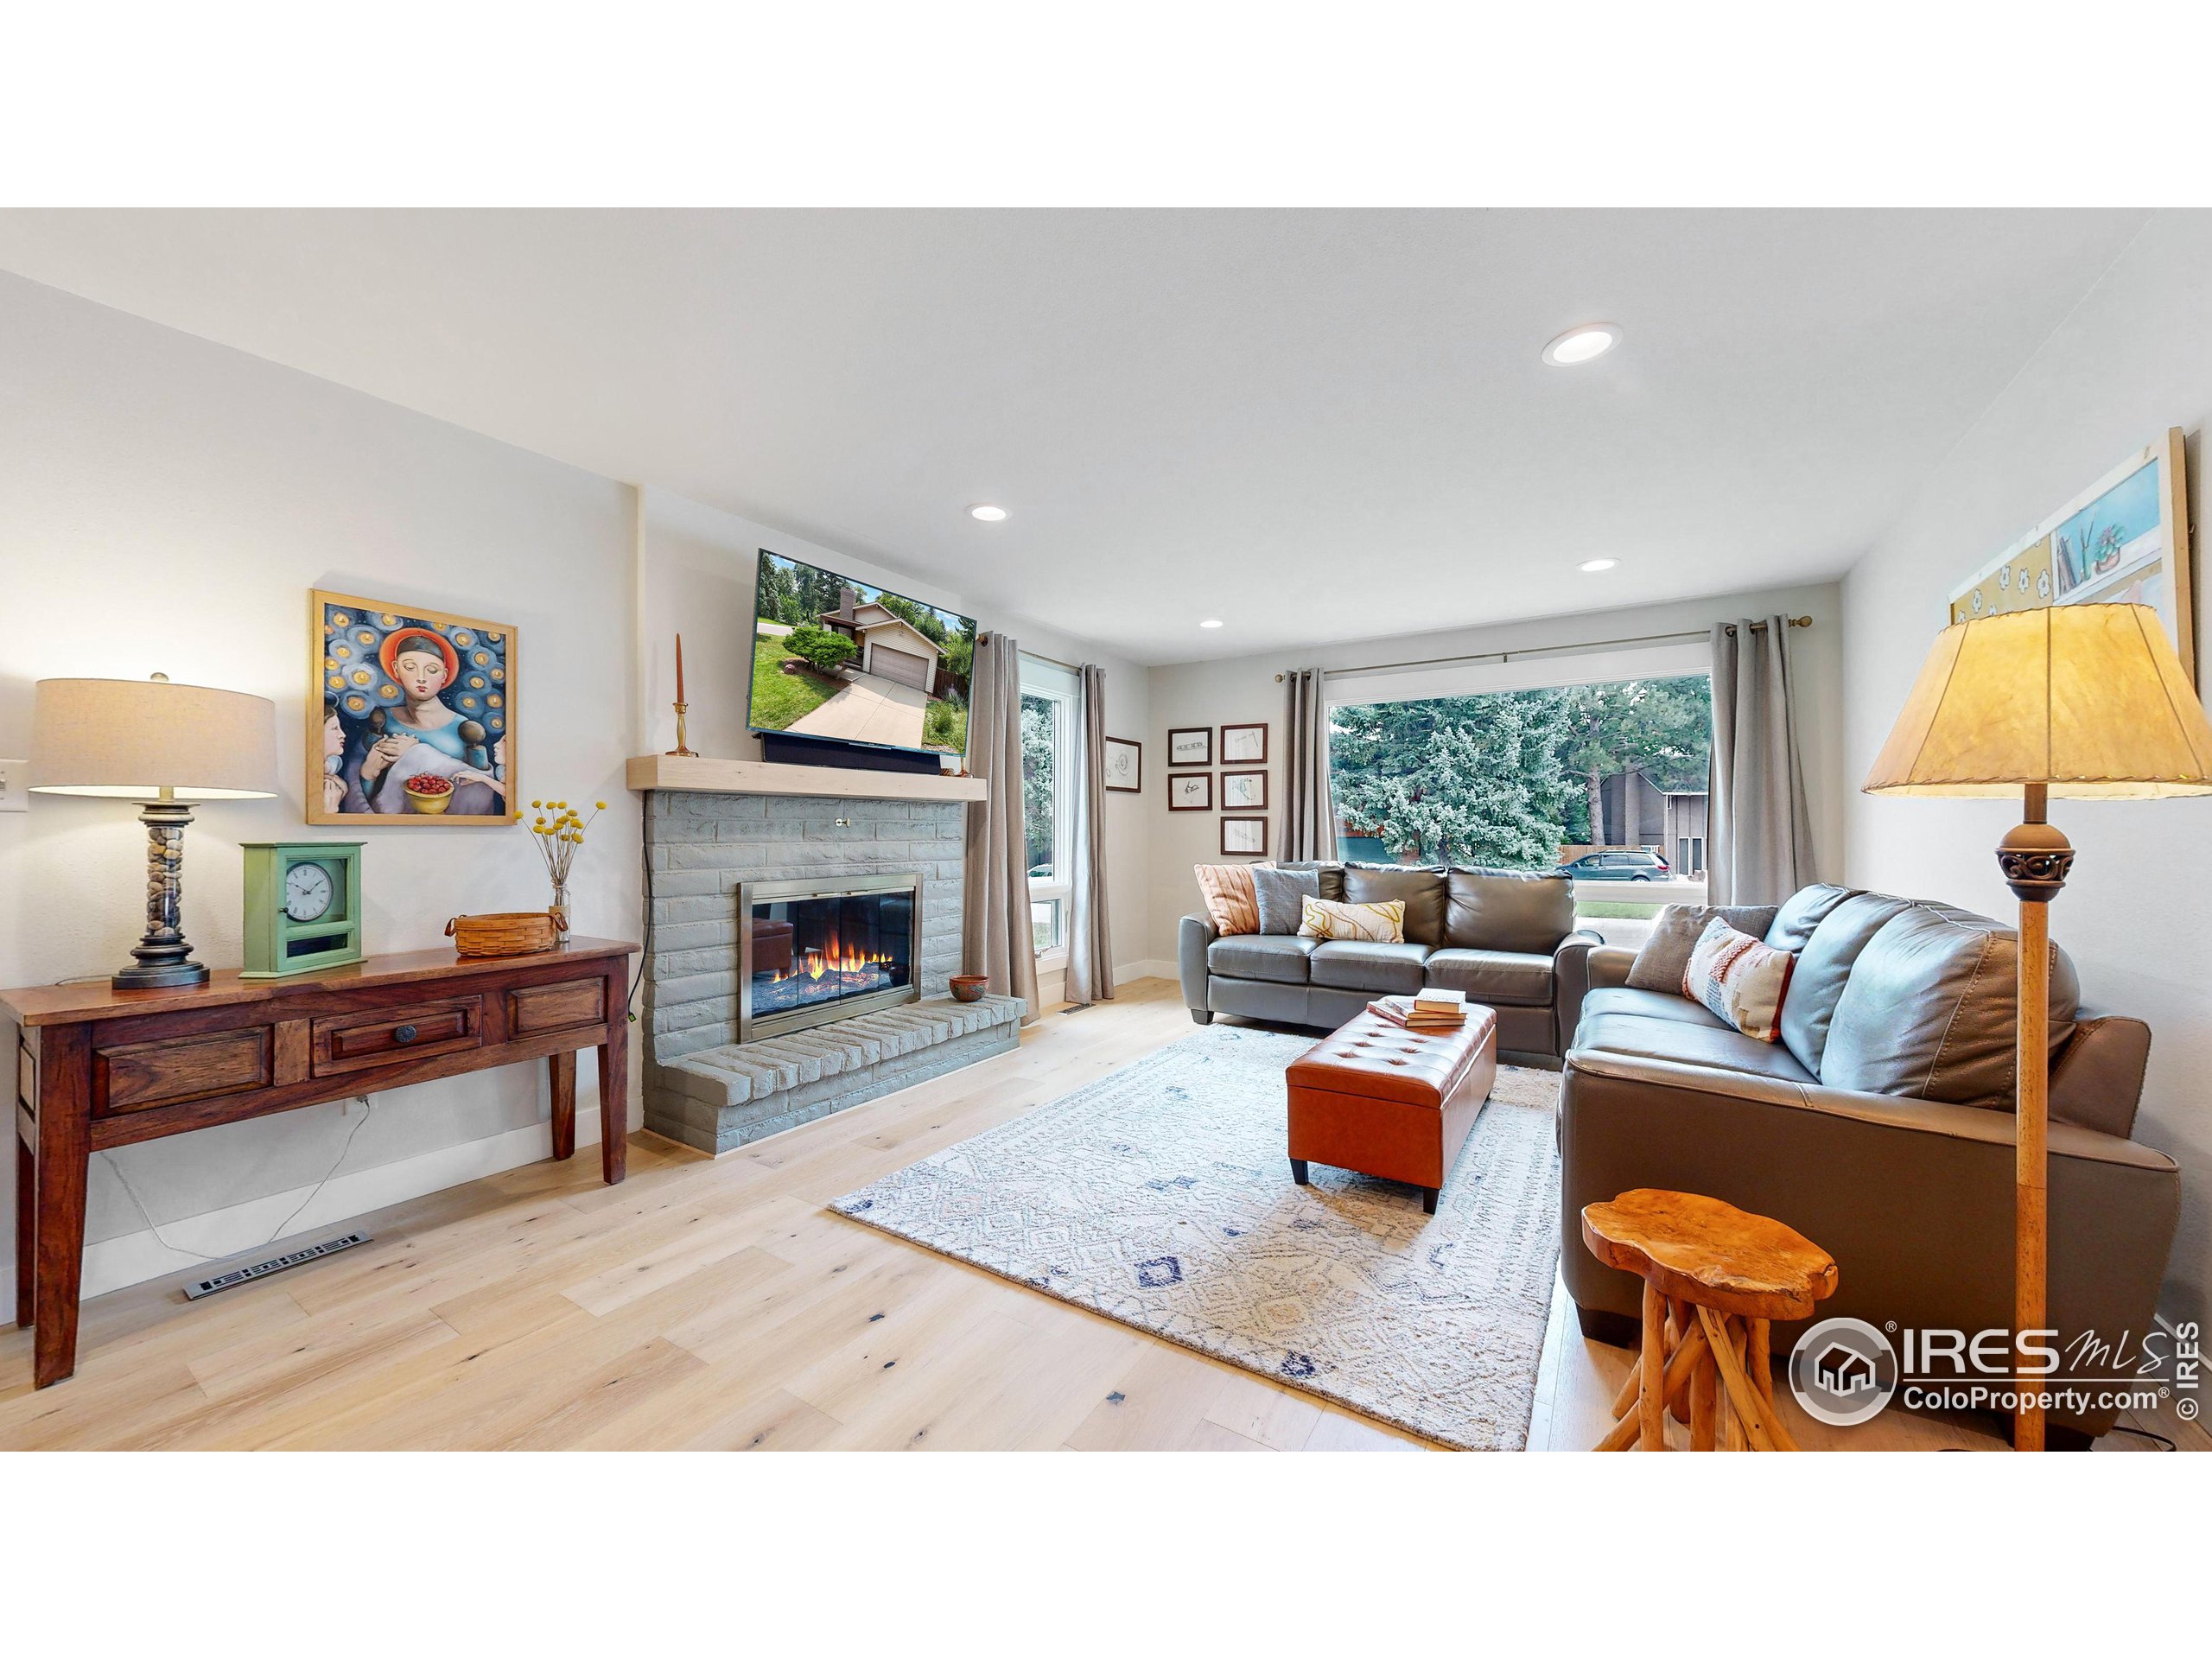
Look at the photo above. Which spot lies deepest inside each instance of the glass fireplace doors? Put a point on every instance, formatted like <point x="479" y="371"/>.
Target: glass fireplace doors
<point x="811" y="951"/>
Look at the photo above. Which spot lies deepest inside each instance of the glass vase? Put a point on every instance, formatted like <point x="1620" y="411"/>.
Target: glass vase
<point x="559" y="911"/>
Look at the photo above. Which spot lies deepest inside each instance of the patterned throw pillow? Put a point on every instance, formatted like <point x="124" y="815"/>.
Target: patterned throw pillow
<point x="1327" y="919"/>
<point x="1741" y="980"/>
<point x="1231" y="901"/>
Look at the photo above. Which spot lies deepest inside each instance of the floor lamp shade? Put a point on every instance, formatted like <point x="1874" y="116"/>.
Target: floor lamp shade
<point x="133" y="739"/>
<point x="2076" y="700"/>
<point x="2086" y="700"/>
<point x="165" y="746"/>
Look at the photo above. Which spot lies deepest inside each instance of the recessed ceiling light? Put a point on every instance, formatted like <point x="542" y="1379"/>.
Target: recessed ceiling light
<point x="1592" y="340"/>
<point x="1595" y="565"/>
<point x="987" y="512"/>
<point x="1211" y="622"/>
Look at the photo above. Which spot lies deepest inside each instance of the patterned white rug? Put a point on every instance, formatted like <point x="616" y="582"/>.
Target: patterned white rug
<point x="1161" y="1196"/>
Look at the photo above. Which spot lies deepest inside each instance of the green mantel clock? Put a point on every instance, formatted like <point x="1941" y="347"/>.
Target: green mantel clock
<point x="302" y="907"/>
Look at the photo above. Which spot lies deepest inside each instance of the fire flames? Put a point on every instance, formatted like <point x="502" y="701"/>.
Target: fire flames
<point x="813" y="963"/>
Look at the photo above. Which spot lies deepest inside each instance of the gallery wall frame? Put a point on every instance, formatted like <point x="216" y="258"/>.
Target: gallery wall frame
<point x="1190" y="791"/>
<point x="1244" y="791"/>
<point x="1190" y="745"/>
<point x="2124" y="539"/>
<point x="1244" y="744"/>
<point x="1243" y="837"/>
<point x="1123" y="766"/>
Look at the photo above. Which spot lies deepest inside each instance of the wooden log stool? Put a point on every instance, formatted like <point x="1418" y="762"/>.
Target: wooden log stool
<point x="1714" y="1279"/>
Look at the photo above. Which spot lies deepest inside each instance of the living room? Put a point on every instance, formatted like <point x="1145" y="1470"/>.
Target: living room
<point x="842" y="824"/>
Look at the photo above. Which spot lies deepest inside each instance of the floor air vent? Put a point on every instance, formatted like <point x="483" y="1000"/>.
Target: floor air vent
<point x="193" y="1291"/>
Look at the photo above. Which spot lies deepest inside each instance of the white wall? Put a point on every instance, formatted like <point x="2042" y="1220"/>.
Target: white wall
<point x="2133" y="358"/>
<point x="168" y="505"/>
<point x="1244" y="688"/>
<point x="695" y="573"/>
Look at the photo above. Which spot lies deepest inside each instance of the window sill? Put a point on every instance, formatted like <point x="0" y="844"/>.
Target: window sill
<point x="1053" y="961"/>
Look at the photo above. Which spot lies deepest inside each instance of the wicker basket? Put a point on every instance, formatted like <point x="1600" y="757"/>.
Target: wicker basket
<point x="509" y="933"/>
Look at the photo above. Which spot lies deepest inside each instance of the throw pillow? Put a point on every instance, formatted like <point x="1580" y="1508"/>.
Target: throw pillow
<point x="1659" y="966"/>
<point x="1231" y="900"/>
<point x="1282" y="895"/>
<point x="1383" y="924"/>
<point x="1741" y="980"/>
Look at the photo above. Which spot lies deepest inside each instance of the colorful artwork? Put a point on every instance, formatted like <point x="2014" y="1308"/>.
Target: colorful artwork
<point x="2123" y="541"/>
<point x="414" y="724"/>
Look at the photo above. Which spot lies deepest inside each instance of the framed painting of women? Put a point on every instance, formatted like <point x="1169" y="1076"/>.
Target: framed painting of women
<point x="415" y="720"/>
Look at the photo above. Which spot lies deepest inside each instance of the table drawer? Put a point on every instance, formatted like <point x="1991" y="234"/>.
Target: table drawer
<point x="556" y="1008"/>
<point x="131" y="1077"/>
<point x="349" y="1042"/>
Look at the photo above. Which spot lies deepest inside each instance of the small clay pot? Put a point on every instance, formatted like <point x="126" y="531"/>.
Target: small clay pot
<point x="969" y="988"/>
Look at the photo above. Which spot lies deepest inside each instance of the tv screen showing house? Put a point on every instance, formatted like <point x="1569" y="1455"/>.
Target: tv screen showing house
<point x="836" y="658"/>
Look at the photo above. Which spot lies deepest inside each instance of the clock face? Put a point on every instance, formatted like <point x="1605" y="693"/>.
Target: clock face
<point x="307" y="893"/>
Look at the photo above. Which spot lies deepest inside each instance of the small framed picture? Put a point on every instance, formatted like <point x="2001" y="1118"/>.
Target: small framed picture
<point x="1190" y="746"/>
<point x="1244" y="746"/>
<point x="1124" y="765"/>
<point x="1243" y="792"/>
<point x="1245" y="836"/>
<point x="1192" y="792"/>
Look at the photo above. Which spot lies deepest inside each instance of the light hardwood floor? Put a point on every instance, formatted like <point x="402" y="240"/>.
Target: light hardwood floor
<point x="715" y="1303"/>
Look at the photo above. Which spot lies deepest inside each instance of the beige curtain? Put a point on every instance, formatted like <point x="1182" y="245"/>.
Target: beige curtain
<point x="1091" y="947"/>
<point x="1309" y="821"/>
<point x="996" y="936"/>
<point x="1759" y="840"/>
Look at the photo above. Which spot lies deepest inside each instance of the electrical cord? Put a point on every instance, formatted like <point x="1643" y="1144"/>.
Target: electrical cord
<point x="2164" y="1444"/>
<point x="368" y="1110"/>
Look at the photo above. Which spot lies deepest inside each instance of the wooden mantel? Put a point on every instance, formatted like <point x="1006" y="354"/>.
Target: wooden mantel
<point x="701" y="774"/>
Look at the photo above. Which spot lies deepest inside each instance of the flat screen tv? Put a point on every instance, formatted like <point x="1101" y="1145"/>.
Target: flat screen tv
<point x="837" y="659"/>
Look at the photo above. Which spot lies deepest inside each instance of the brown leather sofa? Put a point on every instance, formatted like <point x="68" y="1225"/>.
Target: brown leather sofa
<point x="1507" y="939"/>
<point x="1880" y="1128"/>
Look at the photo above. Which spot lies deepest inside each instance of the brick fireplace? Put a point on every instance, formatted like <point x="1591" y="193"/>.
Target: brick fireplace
<point x="799" y="957"/>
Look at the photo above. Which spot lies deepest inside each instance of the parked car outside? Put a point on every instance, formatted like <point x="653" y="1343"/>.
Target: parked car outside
<point x="1619" y="866"/>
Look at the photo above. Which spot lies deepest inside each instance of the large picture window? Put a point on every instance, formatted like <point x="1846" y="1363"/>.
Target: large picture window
<point x="1608" y="777"/>
<point x="1050" y="696"/>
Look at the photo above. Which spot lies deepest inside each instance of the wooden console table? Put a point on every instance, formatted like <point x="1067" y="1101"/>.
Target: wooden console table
<point x="99" y="1068"/>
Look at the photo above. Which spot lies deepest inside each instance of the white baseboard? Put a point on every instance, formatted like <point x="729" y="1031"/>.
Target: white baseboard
<point x="133" y="1258"/>
<point x="1125" y="971"/>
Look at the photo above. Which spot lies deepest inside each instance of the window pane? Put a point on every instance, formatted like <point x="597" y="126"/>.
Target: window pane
<point x="1527" y="779"/>
<point x="1041" y="745"/>
<point x="1045" y="924"/>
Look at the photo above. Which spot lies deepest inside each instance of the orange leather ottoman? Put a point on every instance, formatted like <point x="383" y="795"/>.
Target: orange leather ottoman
<point x="1386" y="1101"/>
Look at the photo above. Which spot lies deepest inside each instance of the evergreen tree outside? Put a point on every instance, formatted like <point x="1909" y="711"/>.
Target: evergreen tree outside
<point x="1503" y="779"/>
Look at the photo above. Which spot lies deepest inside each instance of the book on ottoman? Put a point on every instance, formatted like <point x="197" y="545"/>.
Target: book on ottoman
<point x="1408" y="1012"/>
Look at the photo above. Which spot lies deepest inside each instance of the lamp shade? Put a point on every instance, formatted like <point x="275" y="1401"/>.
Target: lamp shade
<point x="135" y="738"/>
<point x="2089" y="700"/>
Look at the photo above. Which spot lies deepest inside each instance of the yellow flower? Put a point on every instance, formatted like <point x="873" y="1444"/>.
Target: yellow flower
<point x="537" y="803"/>
<point x="599" y="806"/>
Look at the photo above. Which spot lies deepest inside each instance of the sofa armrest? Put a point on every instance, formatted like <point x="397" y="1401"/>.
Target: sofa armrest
<point x="1571" y="980"/>
<point x="1609" y="965"/>
<point x="1196" y="934"/>
<point x="2097" y="1080"/>
<point x="1913" y="1198"/>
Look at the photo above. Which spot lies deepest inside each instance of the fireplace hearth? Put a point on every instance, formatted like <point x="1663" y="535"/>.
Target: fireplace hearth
<point x="814" y="951"/>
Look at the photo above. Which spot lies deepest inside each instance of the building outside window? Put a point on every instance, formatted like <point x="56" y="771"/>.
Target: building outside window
<point x="1050" y="697"/>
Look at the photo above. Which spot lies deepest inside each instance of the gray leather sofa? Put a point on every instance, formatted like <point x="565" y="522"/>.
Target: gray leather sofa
<point x="1506" y="939"/>
<point x="1880" y="1126"/>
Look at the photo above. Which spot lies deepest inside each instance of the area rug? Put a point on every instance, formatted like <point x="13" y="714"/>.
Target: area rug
<point x="1161" y="1196"/>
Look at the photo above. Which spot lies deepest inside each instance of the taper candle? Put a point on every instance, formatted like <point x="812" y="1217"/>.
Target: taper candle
<point x="680" y="667"/>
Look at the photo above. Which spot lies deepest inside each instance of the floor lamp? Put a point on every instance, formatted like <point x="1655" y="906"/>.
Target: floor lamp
<point x="2084" y="700"/>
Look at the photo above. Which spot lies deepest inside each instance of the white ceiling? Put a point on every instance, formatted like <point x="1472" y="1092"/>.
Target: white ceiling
<point x="1315" y="425"/>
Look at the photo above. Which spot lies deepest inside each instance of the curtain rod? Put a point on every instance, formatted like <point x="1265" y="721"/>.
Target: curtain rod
<point x="1685" y="636"/>
<point x="1072" y="668"/>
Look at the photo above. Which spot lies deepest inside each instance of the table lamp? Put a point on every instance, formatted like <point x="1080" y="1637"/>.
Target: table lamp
<point x="164" y="744"/>
<point x="2086" y="701"/>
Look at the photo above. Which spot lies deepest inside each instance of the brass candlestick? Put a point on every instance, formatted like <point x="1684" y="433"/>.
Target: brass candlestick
<point x="683" y="745"/>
